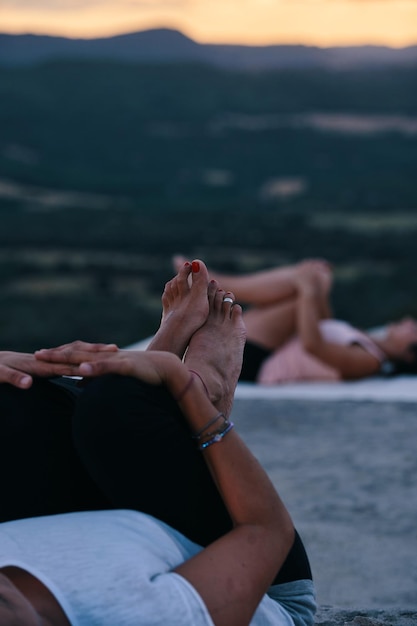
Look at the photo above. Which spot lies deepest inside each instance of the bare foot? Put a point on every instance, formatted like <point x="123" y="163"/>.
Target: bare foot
<point x="178" y="261"/>
<point x="216" y="349"/>
<point x="185" y="308"/>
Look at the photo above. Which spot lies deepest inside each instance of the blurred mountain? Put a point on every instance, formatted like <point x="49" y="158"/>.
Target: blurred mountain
<point x="170" y="46"/>
<point x="188" y="135"/>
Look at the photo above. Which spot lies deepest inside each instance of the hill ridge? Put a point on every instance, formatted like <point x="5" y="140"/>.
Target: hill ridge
<point x="169" y="45"/>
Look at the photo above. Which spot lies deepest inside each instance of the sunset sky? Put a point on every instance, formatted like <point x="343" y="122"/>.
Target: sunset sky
<point x="317" y="22"/>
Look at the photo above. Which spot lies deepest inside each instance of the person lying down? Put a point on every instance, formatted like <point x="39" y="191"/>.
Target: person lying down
<point x="292" y="336"/>
<point x="129" y="498"/>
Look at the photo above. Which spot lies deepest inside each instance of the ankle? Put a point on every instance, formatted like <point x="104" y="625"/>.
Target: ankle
<point x="202" y="382"/>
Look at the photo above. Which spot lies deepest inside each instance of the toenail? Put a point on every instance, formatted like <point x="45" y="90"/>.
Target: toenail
<point x="196" y="267"/>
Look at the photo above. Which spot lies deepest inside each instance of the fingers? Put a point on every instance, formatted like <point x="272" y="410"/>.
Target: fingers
<point x="91" y="347"/>
<point x="14" y="377"/>
<point x="146" y="366"/>
<point x="123" y="363"/>
<point x="84" y="345"/>
<point x="74" y="352"/>
<point x="70" y="357"/>
<point x="100" y="368"/>
<point x="62" y="355"/>
<point x="46" y="369"/>
<point x="18" y="369"/>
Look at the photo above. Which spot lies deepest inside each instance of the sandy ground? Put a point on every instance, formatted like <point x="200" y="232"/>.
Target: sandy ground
<point x="348" y="474"/>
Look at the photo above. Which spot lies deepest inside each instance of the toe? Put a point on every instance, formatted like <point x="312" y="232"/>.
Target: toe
<point x="218" y="300"/>
<point x="200" y="275"/>
<point x="212" y="290"/>
<point x="228" y="302"/>
<point x="183" y="274"/>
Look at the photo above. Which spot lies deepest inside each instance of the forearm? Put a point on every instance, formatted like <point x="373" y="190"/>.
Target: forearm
<point x="262" y="288"/>
<point x="308" y="318"/>
<point x="243" y="484"/>
<point x="325" y="307"/>
<point x="246" y="489"/>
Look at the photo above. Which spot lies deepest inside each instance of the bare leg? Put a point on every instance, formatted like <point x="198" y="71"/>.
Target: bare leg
<point x="216" y="349"/>
<point x="271" y="326"/>
<point x="259" y="288"/>
<point x="185" y="307"/>
<point x="265" y="287"/>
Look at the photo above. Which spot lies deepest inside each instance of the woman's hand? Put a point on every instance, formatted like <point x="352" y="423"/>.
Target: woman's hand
<point x="314" y="274"/>
<point x="153" y="367"/>
<point x="18" y="368"/>
<point x="15" y="368"/>
<point x="64" y="353"/>
<point x="91" y="360"/>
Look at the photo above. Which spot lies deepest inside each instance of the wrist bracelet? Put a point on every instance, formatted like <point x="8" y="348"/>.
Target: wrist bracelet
<point x="217" y="437"/>
<point x="198" y="434"/>
<point x="213" y="434"/>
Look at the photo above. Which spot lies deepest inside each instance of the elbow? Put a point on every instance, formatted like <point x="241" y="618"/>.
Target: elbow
<point x="282" y="537"/>
<point x="282" y="526"/>
<point x="278" y="536"/>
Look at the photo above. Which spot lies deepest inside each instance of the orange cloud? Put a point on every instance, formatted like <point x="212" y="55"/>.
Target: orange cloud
<point x="320" y="22"/>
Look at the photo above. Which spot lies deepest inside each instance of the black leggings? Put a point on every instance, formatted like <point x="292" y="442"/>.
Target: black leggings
<point x="254" y="356"/>
<point x="117" y="443"/>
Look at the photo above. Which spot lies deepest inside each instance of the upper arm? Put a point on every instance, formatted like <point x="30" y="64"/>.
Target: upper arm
<point x="232" y="574"/>
<point x="352" y="361"/>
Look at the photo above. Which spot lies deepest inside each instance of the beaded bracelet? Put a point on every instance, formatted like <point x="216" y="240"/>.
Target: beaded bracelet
<point x="218" y="431"/>
<point x="217" y="437"/>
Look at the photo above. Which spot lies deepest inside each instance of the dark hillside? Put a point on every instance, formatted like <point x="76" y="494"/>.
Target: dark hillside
<point x="153" y="133"/>
<point x="170" y="46"/>
<point x="107" y="169"/>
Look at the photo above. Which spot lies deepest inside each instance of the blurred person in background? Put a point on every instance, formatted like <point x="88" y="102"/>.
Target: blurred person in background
<point x="292" y="336"/>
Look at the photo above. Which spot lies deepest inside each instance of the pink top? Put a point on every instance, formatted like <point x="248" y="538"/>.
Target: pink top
<point x="292" y="363"/>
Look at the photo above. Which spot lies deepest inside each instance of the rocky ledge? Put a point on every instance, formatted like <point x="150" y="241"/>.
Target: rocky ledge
<point x="331" y="616"/>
